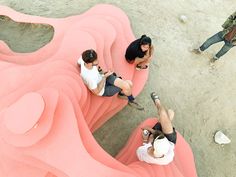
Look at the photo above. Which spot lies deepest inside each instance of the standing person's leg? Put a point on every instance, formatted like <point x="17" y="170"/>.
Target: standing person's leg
<point x="223" y="50"/>
<point x="218" y="37"/>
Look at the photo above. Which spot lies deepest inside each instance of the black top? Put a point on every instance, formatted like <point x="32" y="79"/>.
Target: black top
<point x="134" y="51"/>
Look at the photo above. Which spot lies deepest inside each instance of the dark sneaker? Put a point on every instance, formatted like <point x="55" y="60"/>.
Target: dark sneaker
<point x="134" y="104"/>
<point x="197" y="51"/>
<point x="154" y="97"/>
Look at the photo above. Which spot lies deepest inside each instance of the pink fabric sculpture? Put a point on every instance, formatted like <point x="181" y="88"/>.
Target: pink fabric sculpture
<point x="47" y="114"/>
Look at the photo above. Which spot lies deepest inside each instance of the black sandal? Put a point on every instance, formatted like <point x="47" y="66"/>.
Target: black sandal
<point x="154" y="97"/>
<point x="138" y="67"/>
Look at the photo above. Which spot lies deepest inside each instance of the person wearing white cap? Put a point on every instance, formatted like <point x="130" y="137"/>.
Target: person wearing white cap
<point x="159" y="141"/>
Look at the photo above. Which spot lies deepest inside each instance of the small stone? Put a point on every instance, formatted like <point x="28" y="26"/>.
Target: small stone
<point x="221" y="138"/>
<point x="36" y="125"/>
<point x="183" y="18"/>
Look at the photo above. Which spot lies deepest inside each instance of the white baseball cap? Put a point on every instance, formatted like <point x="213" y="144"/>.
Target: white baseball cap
<point x="161" y="147"/>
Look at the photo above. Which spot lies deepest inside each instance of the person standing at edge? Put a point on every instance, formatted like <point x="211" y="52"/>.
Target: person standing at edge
<point x="140" y="52"/>
<point x="228" y="35"/>
<point x="104" y="84"/>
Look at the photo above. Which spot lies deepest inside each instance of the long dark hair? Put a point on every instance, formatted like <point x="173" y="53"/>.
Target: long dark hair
<point x="144" y="40"/>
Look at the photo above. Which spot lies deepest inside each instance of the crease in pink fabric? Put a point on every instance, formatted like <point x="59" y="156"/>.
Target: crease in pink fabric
<point x="47" y="115"/>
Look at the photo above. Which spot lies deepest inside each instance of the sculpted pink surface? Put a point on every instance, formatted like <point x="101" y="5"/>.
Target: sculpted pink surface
<point x="47" y="114"/>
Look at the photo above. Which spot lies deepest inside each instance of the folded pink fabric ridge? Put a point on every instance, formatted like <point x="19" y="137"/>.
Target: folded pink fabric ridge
<point x="47" y="115"/>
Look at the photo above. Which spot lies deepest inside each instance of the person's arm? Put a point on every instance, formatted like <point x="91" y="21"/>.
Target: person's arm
<point x="100" y="85"/>
<point x="146" y="56"/>
<point x="140" y="59"/>
<point x="148" y="137"/>
<point x="151" y="51"/>
<point x="229" y="21"/>
<point x="79" y="61"/>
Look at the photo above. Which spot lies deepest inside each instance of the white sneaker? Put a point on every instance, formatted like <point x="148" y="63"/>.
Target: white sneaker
<point x="213" y="59"/>
<point x="197" y="51"/>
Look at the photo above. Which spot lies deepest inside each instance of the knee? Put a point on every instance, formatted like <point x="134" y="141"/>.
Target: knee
<point x="126" y="87"/>
<point x="130" y="83"/>
<point x="163" y="114"/>
<point x="228" y="45"/>
<point x="137" y="61"/>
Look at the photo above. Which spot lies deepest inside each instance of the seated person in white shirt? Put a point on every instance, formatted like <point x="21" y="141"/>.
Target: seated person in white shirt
<point x="104" y="84"/>
<point x="159" y="141"/>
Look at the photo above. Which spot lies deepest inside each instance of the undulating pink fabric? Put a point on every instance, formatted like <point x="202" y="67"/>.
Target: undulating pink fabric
<point x="47" y="114"/>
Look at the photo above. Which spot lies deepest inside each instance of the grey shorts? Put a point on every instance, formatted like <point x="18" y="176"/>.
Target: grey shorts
<point x="110" y="88"/>
<point x="172" y="137"/>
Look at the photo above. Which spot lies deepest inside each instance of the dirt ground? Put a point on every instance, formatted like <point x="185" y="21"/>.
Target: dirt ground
<point x="203" y="96"/>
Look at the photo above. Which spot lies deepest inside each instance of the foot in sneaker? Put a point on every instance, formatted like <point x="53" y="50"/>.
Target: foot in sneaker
<point x="197" y="51"/>
<point x="213" y="59"/>
<point x="134" y="104"/>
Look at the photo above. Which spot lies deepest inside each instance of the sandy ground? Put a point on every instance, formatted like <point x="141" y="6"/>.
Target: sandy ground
<point x="203" y="97"/>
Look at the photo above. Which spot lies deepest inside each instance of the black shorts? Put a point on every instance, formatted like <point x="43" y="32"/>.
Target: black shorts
<point x="172" y="137"/>
<point x="110" y="88"/>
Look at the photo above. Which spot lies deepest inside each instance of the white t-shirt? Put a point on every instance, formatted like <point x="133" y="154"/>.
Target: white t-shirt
<point x="142" y="153"/>
<point x="91" y="77"/>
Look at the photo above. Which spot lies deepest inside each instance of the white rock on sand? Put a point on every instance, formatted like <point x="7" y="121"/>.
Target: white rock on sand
<point x="183" y="18"/>
<point x="221" y="138"/>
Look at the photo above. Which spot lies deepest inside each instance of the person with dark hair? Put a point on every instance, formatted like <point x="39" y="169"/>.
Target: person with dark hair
<point x="104" y="83"/>
<point x="140" y="52"/>
<point x="159" y="141"/>
<point x="228" y="35"/>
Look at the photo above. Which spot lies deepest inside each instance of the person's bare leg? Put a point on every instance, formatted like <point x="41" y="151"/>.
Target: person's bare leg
<point x="145" y="62"/>
<point x="164" y="118"/>
<point x="139" y="61"/>
<point x="130" y="83"/>
<point x="171" y="114"/>
<point x="124" y="85"/>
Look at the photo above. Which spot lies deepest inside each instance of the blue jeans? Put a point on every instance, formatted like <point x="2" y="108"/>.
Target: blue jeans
<point x="218" y="37"/>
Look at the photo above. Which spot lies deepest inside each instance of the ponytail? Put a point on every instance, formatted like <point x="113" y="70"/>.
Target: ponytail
<point x="145" y="40"/>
